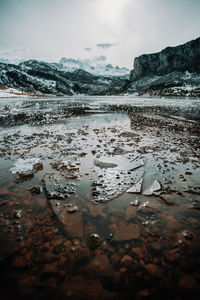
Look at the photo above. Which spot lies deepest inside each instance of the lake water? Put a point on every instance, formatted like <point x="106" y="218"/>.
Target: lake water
<point x="99" y="198"/>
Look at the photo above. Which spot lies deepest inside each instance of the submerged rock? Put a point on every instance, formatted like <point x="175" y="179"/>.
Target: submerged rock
<point x="72" y="209"/>
<point x="73" y="223"/>
<point x="94" y="240"/>
<point x="127" y="232"/>
<point x="36" y="190"/>
<point x="99" y="266"/>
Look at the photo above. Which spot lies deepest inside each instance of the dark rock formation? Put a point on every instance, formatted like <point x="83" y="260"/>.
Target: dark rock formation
<point x="173" y="71"/>
<point x="182" y="58"/>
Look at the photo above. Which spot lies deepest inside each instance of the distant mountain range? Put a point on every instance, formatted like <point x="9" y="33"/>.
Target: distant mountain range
<point x="67" y="77"/>
<point x="175" y="71"/>
<point x="70" y="65"/>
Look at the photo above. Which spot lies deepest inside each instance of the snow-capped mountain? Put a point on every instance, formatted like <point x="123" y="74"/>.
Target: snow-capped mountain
<point x="39" y="77"/>
<point x="70" y="65"/>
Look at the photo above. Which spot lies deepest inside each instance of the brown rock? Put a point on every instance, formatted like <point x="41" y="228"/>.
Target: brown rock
<point x="119" y="213"/>
<point x="79" y="287"/>
<point x="27" y="285"/>
<point x="169" y="199"/>
<point x="95" y="209"/>
<point x="73" y="224"/>
<point x="154" y="270"/>
<point x="67" y="244"/>
<point x="130" y="213"/>
<point x="122" y="270"/>
<point x="143" y="294"/>
<point x="46" y="257"/>
<point x="51" y="268"/>
<point x="112" y="227"/>
<point x="172" y="254"/>
<point x="187" y="282"/>
<point x="20" y="262"/>
<point x="121" y="251"/>
<point x="99" y="266"/>
<point x="62" y="260"/>
<point x="38" y="167"/>
<point x="126" y="260"/>
<point x="127" y="232"/>
<point x="77" y="252"/>
<point x="140" y="252"/>
<point x="115" y="258"/>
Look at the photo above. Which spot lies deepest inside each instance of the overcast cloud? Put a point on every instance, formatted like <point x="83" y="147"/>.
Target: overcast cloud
<point x="51" y="29"/>
<point x="106" y="45"/>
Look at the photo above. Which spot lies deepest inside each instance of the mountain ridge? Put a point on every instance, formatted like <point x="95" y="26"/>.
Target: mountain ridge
<point x="172" y="71"/>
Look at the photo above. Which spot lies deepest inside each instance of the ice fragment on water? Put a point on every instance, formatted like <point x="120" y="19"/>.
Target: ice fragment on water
<point x="156" y="186"/>
<point x="24" y="165"/>
<point x="136" y="188"/>
<point x="137" y="165"/>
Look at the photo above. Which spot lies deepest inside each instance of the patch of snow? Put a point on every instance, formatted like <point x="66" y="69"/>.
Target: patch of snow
<point x="70" y="65"/>
<point x="24" y="165"/>
<point x="11" y="92"/>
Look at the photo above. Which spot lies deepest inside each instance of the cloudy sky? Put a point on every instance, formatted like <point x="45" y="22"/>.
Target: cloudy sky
<point x="107" y="31"/>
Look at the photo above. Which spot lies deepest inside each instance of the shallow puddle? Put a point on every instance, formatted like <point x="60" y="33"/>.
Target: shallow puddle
<point x="99" y="200"/>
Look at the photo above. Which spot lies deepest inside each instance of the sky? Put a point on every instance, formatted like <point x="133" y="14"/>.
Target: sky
<point x="100" y="31"/>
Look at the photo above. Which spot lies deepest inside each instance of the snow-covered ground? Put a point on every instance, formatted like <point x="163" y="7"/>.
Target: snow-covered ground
<point x="11" y="92"/>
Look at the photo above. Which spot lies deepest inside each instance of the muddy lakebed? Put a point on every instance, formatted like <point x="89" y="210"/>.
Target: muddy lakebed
<point x="99" y="198"/>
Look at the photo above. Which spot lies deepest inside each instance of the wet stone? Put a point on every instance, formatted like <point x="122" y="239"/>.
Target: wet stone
<point x="36" y="190"/>
<point x="18" y="214"/>
<point x="126" y="260"/>
<point x="127" y="232"/>
<point x="79" y="287"/>
<point x="169" y="199"/>
<point x="130" y="213"/>
<point x="72" y="209"/>
<point x="139" y="252"/>
<point x="154" y="270"/>
<point x="172" y="254"/>
<point x="94" y="240"/>
<point x="187" y="282"/>
<point x="99" y="266"/>
<point x="73" y="223"/>
<point x="27" y="286"/>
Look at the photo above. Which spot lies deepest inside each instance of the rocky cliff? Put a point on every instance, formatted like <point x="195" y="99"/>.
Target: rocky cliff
<point x="182" y="58"/>
<point x="174" y="70"/>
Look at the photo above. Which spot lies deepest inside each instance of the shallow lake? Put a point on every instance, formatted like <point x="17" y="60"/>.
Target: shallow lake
<point x="99" y="197"/>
